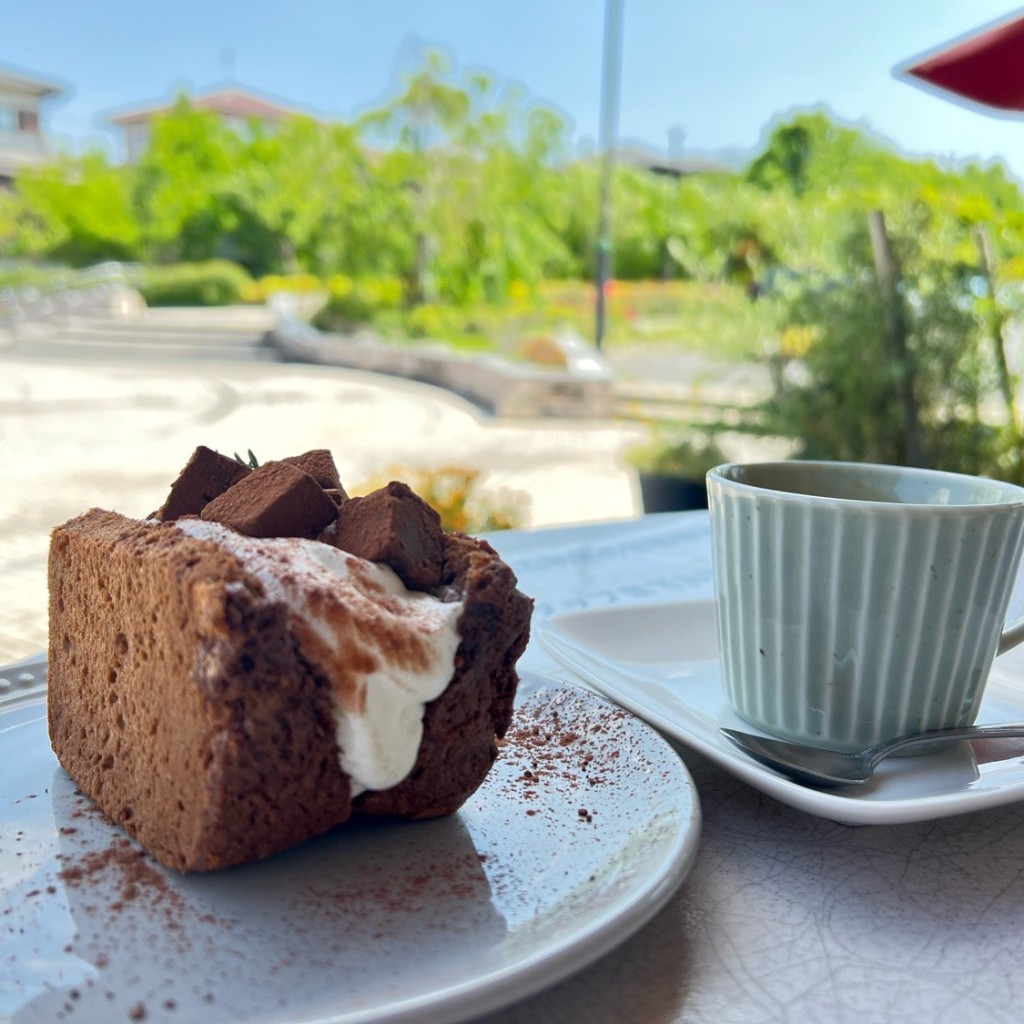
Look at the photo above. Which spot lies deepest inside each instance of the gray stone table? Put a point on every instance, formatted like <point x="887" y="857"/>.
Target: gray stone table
<point x="783" y="916"/>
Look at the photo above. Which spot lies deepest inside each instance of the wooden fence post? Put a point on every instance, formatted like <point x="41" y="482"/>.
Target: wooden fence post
<point x="995" y="327"/>
<point x="888" y="274"/>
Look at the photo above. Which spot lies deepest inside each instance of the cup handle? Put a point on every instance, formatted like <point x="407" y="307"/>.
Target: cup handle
<point x="1011" y="636"/>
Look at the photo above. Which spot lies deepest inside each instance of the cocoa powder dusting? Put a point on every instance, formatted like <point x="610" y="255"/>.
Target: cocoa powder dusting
<point x="128" y="876"/>
<point x="557" y="751"/>
<point x="120" y="855"/>
<point x="456" y="878"/>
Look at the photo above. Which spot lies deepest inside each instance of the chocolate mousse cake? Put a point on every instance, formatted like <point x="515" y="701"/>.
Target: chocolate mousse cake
<point x="265" y="658"/>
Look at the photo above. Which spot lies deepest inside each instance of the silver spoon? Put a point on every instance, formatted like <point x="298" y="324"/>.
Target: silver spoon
<point x="817" y="766"/>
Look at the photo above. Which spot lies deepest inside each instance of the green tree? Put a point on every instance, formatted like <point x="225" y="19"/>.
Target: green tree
<point x="181" y="183"/>
<point x="477" y="166"/>
<point x="292" y="190"/>
<point x="841" y="400"/>
<point x="76" y="210"/>
<point x="785" y="160"/>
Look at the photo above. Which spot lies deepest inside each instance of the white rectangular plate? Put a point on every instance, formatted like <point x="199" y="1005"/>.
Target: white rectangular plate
<point x="661" y="662"/>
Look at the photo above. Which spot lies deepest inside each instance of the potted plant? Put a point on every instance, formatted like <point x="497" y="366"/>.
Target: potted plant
<point x="672" y="467"/>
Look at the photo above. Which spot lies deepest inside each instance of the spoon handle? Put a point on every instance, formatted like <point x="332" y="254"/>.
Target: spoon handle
<point x="966" y="732"/>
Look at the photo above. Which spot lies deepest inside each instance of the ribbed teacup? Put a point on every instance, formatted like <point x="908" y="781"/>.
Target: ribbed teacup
<point x="859" y="602"/>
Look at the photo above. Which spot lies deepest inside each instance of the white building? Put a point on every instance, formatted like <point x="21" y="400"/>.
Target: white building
<point x="22" y="140"/>
<point x="236" y="107"/>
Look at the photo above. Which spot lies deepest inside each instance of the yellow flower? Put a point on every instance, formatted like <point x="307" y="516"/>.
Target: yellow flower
<point x="797" y="341"/>
<point x="518" y="290"/>
<point x="341" y="284"/>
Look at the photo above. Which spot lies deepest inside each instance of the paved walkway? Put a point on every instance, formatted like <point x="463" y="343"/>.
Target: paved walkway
<point x="77" y="432"/>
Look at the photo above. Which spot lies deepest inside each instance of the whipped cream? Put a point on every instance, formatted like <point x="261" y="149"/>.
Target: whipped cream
<point x="386" y="650"/>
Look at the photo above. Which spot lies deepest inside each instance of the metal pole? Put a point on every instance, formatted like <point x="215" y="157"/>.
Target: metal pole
<point x="610" y="75"/>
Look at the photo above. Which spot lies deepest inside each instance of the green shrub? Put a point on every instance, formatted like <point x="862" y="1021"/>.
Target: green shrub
<point x="430" y="320"/>
<point x="299" y="284"/>
<point x="677" y="451"/>
<point x="212" y="283"/>
<point x="356" y="302"/>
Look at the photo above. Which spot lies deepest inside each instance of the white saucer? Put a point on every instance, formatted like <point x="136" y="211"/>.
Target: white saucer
<point x="661" y="662"/>
<point x="583" y="830"/>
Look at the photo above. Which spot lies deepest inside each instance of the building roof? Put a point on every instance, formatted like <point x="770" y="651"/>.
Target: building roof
<point x="648" y="160"/>
<point x="18" y="82"/>
<point x="226" y="102"/>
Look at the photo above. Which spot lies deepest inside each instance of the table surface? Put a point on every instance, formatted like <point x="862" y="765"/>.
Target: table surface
<point x="784" y="916"/>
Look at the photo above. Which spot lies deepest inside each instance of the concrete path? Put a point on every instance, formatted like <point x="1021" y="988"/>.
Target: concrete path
<point x="76" y="431"/>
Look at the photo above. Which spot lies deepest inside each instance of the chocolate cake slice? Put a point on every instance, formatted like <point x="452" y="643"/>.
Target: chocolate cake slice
<point x="224" y="696"/>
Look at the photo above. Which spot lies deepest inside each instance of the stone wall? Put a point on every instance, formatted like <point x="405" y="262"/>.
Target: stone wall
<point x="581" y="390"/>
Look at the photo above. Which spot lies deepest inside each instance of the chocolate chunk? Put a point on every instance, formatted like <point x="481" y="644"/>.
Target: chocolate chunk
<point x="395" y="526"/>
<point x="319" y="464"/>
<point x="276" y="500"/>
<point x="205" y="476"/>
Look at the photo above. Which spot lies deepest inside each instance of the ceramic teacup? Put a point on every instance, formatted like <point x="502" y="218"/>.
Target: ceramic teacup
<point x="860" y="602"/>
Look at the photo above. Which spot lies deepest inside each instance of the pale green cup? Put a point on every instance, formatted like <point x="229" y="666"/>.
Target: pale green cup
<point x="860" y="602"/>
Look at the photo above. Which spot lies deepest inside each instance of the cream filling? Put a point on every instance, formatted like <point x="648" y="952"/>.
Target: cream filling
<point x="386" y="650"/>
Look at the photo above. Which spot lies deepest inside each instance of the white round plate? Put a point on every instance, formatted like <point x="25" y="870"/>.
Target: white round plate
<point x="583" y="830"/>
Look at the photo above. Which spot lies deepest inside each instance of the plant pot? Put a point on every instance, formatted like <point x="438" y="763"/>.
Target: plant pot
<point x="672" y="493"/>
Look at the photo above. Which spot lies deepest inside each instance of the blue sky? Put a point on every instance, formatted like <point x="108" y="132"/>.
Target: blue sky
<point x="719" y="70"/>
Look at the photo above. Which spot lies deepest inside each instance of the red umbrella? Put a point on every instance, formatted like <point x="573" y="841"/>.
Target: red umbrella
<point x="985" y="68"/>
